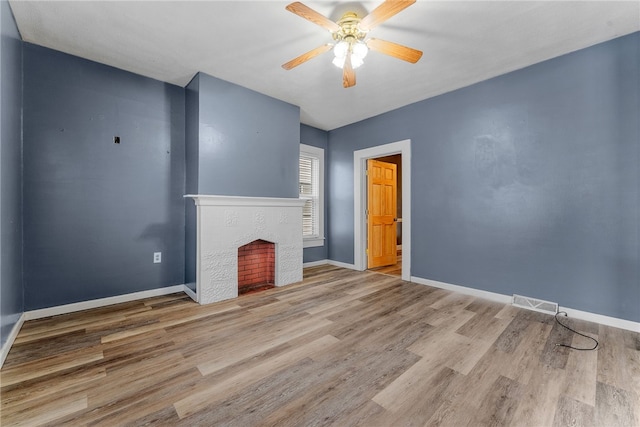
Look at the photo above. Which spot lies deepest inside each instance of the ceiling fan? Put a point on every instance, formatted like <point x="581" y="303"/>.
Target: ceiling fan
<point x="349" y="33"/>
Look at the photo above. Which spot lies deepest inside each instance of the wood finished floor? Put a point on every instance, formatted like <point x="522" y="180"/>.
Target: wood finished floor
<point x="393" y="269"/>
<point x="342" y="348"/>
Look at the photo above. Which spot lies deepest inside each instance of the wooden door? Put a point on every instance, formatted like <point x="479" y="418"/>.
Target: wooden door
<point x="382" y="213"/>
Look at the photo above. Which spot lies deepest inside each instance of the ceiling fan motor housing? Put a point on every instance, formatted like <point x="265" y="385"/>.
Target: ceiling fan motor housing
<point x="349" y="30"/>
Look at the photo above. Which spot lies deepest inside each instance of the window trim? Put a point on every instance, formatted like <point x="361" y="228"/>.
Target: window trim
<point x="318" y="153"/>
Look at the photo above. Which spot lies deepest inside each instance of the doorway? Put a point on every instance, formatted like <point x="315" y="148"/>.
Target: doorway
<point x="403" y="148"/>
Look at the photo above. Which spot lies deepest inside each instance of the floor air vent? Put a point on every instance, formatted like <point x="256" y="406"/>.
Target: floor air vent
<point x="535" y="304"/>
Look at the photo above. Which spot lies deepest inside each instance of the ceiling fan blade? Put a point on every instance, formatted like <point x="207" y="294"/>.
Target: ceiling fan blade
<point x="394" y="49"/>
<point x="383" y="12"/>
<point x="311" y="15"/>
<point x="348" y="74"/>
<point x="307" y="56"/>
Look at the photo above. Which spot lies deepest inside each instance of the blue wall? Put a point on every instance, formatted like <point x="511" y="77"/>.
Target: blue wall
<point x="247" y="144"/>
<point x="527" y="183"/>
<point x="11" y="291"/>
<point x="95" y="211"/>
<point x="317" y="138"/>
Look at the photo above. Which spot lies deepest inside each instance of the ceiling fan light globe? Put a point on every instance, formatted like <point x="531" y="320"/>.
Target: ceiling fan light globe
<point x="340" y="50"/>
<point x="360" y="50"/>
<point x="356" y="61"/>
<point x="339" y="61"/>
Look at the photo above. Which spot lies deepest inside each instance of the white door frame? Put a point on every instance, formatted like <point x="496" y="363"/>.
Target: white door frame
<point x="360" y="158"/>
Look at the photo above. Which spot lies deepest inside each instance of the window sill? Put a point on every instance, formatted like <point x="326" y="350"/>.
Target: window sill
<point x="313" y="242"/>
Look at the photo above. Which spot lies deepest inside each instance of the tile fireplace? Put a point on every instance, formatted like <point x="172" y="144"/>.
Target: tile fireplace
<point x="227" y="223"/>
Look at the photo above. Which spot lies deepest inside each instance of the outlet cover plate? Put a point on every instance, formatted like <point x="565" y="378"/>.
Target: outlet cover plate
<point x="157" y="257"/>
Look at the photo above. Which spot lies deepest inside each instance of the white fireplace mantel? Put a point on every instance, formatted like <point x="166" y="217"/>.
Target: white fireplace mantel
<point x="211" y="200"/>
<point x="224" y="223"/>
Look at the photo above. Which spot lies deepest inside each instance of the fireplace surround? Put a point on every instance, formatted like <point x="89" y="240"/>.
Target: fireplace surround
<point x="226" y="223"/>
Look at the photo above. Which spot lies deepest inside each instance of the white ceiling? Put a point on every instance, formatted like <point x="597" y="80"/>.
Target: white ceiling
<point x="245" y="42"/>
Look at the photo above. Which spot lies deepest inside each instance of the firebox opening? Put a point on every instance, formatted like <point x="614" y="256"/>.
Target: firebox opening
<point x="256" y="267"/>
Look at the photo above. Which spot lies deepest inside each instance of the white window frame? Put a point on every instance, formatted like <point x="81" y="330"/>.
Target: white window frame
<point x="317" y="153"/>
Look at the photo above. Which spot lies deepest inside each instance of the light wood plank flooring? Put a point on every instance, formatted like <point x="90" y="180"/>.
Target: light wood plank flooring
<point x="391" y="270"/>
<point x="342" y="348"/>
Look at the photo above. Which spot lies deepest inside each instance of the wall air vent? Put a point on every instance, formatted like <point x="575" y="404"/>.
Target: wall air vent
<point x="535" y="304"/>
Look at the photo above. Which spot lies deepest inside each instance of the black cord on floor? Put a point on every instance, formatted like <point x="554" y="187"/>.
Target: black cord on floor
<point x="575" y="332"/>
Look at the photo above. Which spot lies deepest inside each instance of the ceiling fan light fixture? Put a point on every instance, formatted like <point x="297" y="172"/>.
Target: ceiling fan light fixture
<point x="356" y="61"/>
<point x="360" y="50"/>
<point x="349" y="33"/>
<point x="340" y="50"/>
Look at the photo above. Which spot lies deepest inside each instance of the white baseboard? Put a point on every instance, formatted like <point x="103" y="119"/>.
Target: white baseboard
<point x="191" y="293"/>
<point x="602" y="319"/>
<point x="101" y="302"/>
<point x="506" y="299"/>
<point x="10" y="339"/>
<point x="315" y="263"/>
<point x="342" y="264"/>
<point x="329" y="262"/>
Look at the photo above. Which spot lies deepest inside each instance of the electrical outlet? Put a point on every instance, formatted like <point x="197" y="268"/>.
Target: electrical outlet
<point x="116" y="139"/>
<point x="157" y="257"/>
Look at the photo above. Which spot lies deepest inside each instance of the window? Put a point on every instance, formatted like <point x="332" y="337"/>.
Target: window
<point x="312" y="190"/>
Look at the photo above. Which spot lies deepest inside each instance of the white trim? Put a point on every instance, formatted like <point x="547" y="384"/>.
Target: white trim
<point x="506" y="299"/>
<point x="317" y="152"/>
<point x="359" y="202"/>
<point x="315" y="263"/>
<point x="214" y="200"/>
<point x="492" y="296"/>
<point x="11" y="338"/>
<point x="101" y="302"/>
<point x="602" y="319"/>
<point x="342" y="264"/>
<point x="312" y="242"/>
<point x="191" y="293"/>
